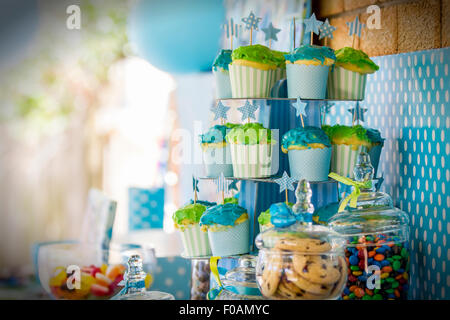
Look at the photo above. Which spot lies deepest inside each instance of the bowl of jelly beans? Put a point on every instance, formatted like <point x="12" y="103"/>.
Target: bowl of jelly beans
<point x="75" y="271"/>
<point x="378" y="268"/>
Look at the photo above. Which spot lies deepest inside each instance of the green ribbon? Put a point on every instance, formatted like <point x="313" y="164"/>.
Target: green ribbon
<point x="357" y="185"/>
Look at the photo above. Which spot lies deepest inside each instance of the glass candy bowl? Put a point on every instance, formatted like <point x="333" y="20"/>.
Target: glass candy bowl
<point x="377" y="247"/>
<point x="75" y="271"/>
<point x="298" y="260"/>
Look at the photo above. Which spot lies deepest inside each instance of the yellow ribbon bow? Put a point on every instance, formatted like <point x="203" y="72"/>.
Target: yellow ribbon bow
<point x="212" y="294"/>
<point x="357" y="185"/>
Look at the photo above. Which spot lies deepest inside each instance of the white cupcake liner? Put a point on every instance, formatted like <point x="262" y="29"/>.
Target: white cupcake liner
<point x="310" y="164"/>
<point x="252" y="161"/>
<point x="249" y="82"/>
<point x="232" y="241"/>
<point x="343" y="159"/>
<point x="344" y="84"/>
<point x="195" y="242"/>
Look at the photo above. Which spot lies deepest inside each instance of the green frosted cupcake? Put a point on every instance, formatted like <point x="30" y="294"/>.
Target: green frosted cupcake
<point x="195" y="241"/>
<point x="347" y="142"/>
<point x="251" y="150"/>
<point x="252" y="71"/>
<point x="347" y="81"/>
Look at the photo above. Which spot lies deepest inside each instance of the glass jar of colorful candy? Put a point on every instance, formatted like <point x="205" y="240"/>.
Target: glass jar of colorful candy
<point x="377" y="250"/>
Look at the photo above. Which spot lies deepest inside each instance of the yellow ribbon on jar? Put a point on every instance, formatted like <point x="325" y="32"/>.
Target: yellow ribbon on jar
<point x="357" y="185"/>
<point x="214" y="293"/>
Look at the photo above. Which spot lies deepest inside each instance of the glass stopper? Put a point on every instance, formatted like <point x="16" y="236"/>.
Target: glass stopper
<point x="135" y="277"/>
<point x="303" y="194"/>
<point x="363" y="170"/>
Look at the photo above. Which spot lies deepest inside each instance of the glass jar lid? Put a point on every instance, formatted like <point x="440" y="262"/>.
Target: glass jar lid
<point x="374" y="212"/>
<point x="242" y="279"/>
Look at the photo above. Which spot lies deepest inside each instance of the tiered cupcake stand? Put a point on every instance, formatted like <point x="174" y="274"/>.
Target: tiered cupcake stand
<point x="257" y="194"/>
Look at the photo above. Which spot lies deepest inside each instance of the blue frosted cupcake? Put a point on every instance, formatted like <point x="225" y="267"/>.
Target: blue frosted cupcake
<point x="216" y="151"/>
<point x="307" y="70"/>
<point x="228" y="229"/>
<point x="309" y="152"/>
<point x="222" y="75"/>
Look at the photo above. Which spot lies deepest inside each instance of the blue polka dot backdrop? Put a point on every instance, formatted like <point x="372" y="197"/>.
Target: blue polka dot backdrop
<point x="173" y="275"/>
<point x="408" y="101"/>
<point x="145" y="208"/>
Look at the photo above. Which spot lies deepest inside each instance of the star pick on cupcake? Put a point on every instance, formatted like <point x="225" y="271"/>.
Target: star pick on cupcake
<point x="231" y="28"/>
<point x="220" y="111"/>
<point x="195" y="188"/>
<point x="300" y="107"/>
<point x="312" y="24"/>
<point x="326" y="30"/>
<point x="194" y="184"/>
<point x="251" y="22"/>
<point x="357" y="113"/>
<point x="271" y="32"/>
<point x="355" y="27"/>
<point x="248" y="110"/>
<point x="285" y="182"/>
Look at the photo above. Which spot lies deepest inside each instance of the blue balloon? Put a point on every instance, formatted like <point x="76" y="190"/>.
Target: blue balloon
<point x="177" y="36"/>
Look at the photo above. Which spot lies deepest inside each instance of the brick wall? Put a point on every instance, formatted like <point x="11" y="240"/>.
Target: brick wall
<point x="406" y="25"/>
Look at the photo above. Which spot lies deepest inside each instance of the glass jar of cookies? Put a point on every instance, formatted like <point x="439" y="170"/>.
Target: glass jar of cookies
<point x="298" y="260"/>
<point x="377" y="243"/>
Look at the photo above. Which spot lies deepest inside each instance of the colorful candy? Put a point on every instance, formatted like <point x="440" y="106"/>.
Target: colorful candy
<point x="100" y="282"/>
<point x="391" y="259"/>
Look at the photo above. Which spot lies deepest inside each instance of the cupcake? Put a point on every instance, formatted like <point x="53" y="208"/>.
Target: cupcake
<point x="251" y="150"/>
<point x="265" y="216"/>
<point x="347" y="143"/>
<point x="195" y="241"/>
<point x="347" y="80"/>
<point x="216" y="151"/>
<point x="222" y="75"/>
<point x="309" y="152"/>
<point x="252" y="71"/>
<point x="377" y="143"/>
<point x="307" y="71"/>
<point x="228" y="229"/>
